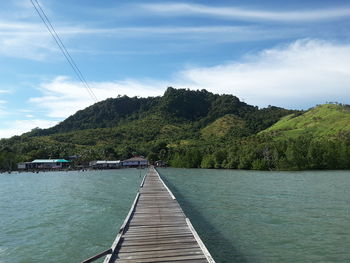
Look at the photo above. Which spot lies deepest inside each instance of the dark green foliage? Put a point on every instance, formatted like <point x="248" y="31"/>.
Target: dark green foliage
<point x="184" y="128"/>
<point x="300" y="153"/>
<point x="227" y="104"/>
<point x="208" y="161"/>
<point x="186" y="104"/>
<point x="7" y="159"/>
<point x="107" y="113"/>
<point x="190" y="158"/>
<point x="261" y="119"/>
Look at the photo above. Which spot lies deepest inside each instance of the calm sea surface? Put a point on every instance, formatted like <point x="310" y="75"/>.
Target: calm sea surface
<point x="242" y="216"/>
<point x="63" y="216"/>
<point x="249" y="216"/>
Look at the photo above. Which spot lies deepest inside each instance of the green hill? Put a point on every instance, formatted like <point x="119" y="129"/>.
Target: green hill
<point x="325" y="121"/>
<point x="190" y="128"/>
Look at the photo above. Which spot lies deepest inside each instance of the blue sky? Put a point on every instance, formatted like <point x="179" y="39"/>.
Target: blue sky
<point x="293" y="55"/>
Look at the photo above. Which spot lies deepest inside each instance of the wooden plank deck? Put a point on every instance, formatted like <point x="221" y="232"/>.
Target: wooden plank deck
<point x="157" y="230"/>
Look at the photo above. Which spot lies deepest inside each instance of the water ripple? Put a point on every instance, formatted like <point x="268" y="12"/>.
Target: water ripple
<point x="251" y="216"/>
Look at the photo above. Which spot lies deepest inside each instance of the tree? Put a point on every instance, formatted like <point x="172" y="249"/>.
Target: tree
<point x="208" y="161"/>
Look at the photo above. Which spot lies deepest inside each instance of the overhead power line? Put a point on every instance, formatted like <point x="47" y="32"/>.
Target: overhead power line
<point x="62" y="47"/>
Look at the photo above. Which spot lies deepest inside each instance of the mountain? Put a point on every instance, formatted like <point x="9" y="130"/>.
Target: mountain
<point x="192" y="129"/>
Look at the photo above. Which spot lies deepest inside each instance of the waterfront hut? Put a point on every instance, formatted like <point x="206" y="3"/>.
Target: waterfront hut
<point x="103" y="164"/>
<point x="136" y="161"/>
<point x="50" y="163"/>
<point x="23" y="166"/>
<point x="42" y="164"/>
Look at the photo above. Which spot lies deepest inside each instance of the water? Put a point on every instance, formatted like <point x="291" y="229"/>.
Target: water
<point x="242" y="216"/>
<point x="63" y="216"/>
<point x="250" y="216"/>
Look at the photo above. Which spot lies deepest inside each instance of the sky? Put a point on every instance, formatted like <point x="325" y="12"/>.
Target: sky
<point x="293" y="55"/>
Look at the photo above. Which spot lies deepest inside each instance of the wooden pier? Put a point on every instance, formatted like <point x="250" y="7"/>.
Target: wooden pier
<point x="156" y="229"/>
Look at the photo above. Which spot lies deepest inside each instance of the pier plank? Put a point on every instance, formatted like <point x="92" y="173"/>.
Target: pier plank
<point x="157" y="230"/>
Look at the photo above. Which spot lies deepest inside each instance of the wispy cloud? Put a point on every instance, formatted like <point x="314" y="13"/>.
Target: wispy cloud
<point x="18" y="127"/>
<point x="8" y="29"/>
<point x="32" y="41"/>
<point x="24" y="40"/>
<point x="237" y="13"/>
<point x="194" y="36"/>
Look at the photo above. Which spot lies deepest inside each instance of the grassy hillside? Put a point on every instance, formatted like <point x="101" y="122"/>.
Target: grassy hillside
<point x="193" y="129"/>
<point x="224" y="126"/>
<point x="324" y="121"/>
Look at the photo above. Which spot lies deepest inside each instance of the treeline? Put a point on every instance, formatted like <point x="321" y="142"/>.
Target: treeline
<point x="256" y="153"/>
<point x="262" y="153"/>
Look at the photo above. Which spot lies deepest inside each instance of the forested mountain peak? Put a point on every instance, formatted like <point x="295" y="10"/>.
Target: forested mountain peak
<point x="193" y="128"/>
<point x="177" y="104"/>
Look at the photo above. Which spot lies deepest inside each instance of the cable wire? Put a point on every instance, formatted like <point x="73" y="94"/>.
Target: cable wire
<point x="62" y="47"/>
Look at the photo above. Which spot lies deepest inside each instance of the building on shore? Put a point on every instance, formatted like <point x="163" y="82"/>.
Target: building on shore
<point x="137" y="161"/>
<point x="102" y="164"/>
<point x="44" y="164"/>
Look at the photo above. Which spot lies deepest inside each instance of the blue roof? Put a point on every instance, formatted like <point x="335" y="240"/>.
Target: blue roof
<point x="50" y="161"/>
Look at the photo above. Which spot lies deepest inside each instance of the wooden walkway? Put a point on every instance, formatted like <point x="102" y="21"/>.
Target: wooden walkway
<point x="156" y="229"/>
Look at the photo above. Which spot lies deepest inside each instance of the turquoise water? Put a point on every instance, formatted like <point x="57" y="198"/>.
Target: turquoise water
<point x="63" y="216"/>
<point x="242" y="216"/>
<point x="250" y="216"/>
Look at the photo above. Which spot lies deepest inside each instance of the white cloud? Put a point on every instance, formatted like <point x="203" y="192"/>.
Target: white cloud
<point x="295" y="76"/>
<point x="24" y="40"/>
<point x="63" y="97"/>
<point x="247" y="14"/>
<point x="298" y="75"/>
<point x="18" y="127"/>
